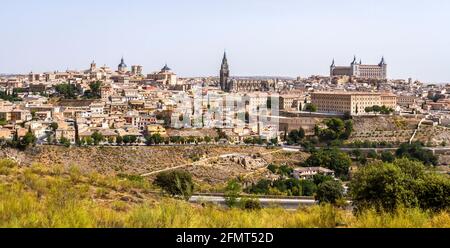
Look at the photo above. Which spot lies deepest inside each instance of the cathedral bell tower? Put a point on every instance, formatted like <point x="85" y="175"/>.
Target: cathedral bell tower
<point x="224" y="73"/>
<point x="93" y="66"/>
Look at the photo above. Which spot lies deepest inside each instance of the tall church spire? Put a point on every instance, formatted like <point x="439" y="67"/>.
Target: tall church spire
<point x="354" y="60"/>
<point x="224" y="60"/>
<point x="224" y="72"/>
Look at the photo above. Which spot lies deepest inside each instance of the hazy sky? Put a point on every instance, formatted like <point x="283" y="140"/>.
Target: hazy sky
<point x="262" y="37"/>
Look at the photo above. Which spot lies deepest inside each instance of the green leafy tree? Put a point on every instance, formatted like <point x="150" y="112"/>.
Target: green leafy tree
<point x="336" y="129"/>
<point x="97" y="137"/>
<point x="274" y="141"/>
<point x="77" y="133"/>
<point x="95" y="91"/>
<point x="10" y="97"/>
<point x="308" y="146"/>
<point x="68" y="91"/>
<point x="269" y="102"/>
<point x="89" y="141"/>
<point x="320" y="178"/>
<point x="64" y="141"/>
<point x="54" y="126"/>
<point x="296" y="136"/>
<point x="232" y="192"/>
<point x="221" y="134"/>
<point x="176" y="183"/>
<point x="28" y="140"/>
<point x="285" y="170"/>
<point x="434" y="192"/>
<point x="336" y="125"/>
<point x="248" y="141"/>
<point x="348" y="129"/>
<point x="33" y="115"/>
<point x="261" y="187"/>
<point x="3" y="122"/>
<point x="154" y="139"/>
<point x="126" y="139"/>
<point x="403" y="183"/>
<point x="357" y="153"/>
<point x="363" y="160"/>
<point x="329" y="192"/>
<point x="207" y="139"/>
<point x="119" y="140"/>
<point x="272" y="168"/>
<point x="379" y="109"/>
<point x="190" y="139"/>
<point x="310" y="107"/>
<point x="308" y="187"/>
<point x="416" y="151"/>
<point x="133" y="139"/>
<point x="387" y="156"/>
<point x="372" y="154"/>
<point x="332" y="159"/>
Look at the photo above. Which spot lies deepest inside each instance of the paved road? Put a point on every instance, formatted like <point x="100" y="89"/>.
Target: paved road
<point x="434" y="149"/>
<point x="289" y="204"/>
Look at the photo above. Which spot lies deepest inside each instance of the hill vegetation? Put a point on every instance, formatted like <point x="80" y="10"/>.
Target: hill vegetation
<point x="51" y="196"/>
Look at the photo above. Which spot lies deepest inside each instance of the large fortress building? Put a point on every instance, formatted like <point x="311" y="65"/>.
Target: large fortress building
<point x="357" y="69"/>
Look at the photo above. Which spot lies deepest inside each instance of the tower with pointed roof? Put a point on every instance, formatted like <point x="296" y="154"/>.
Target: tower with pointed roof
<point x="224" y="72"/>
<point x="122" y="68"/>
<point x="383" y="67"/>
<point x="355" y="67"/>
<point x="332" y="66"/>
<point x="354" y="60"/>
<point x="93" y="66"/>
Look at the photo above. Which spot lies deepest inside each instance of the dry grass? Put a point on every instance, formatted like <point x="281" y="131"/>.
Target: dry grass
<point x="51" y="197"/>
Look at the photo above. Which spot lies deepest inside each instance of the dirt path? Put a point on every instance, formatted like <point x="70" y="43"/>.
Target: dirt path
<point x="199" y="163"/>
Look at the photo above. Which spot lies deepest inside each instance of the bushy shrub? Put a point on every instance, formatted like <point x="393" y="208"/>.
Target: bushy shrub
<point x="387" y="156"/>
<point x="330" y="192"/>
<point x="272" y="168"/>
<point x="251" y="204"/>
<point x="232" y="192"/>
<point x="417" y="152"/>
<point x="176" y="183"/>
<point x="403" y="183"/>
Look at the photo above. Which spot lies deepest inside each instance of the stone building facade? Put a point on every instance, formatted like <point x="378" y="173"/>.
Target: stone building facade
<point x="229" y="84"/>
<point x="354" y="103"/>
<point x="359" y="70"/>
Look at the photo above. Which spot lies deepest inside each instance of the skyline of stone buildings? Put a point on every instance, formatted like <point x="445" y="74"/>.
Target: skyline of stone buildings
<point x="238" y="84"/>
<point x="360" y="70"/>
